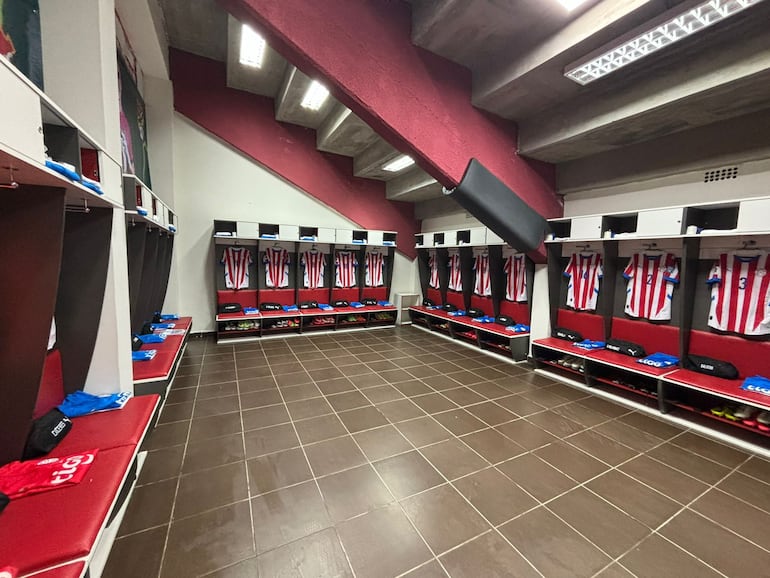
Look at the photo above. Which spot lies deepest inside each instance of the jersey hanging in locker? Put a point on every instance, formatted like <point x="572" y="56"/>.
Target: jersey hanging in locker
<point x="584" y="272"/>
<point x="483" y="285"/>
<point x="374" y="267"/>
<point x="515" y="278"/>
<point x="740" y="294"/>
<point x="651" y="281"/>
<point x="276" y="267"/>
<point x="314" y="264"/>
<point x="236" y="261"/>
<point x="455" y="279"/>
<point x="433" y="267"/>
<point x="346" y="265"/>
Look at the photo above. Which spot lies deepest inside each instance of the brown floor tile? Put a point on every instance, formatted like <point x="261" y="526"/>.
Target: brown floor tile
<point x="213" y="453"/>
<point x="519" y="405"/>
<point x="453" y="458"/>
<point x="459" y="421"/>
<point x="657" y="557"/>
<point x="493" y="445"/>
<point x="464" y="377"/>
<point x="433" y="403"/>
<point x="319" y="554"/>
<point x="400" y="410"/>
<point x="488" y="555"/>
<point x="367" y="380"/>
<point x="756" y="467"/>
<point x="494" y="495"/>
<point x="217" y="366"/>
<point x="353" y="492"/>
<point x="748" y="489"/>
<point x="601" y="447"/>
<point x="215" y="406"/>
<point x="300" y="392"/>
<point x="383" y="393"/>
<point x="292" y="379"/>
<point x="650" y="425"/>
<point x="322" y="374"/>
<point x="220" y="377"/>
<point x="149" y="506"/>
<point x="382" y="543"/>
<point x="733" y="557"/>
<point x="491" y="413"/>
<point x="527" y="435"/>
<point x="209" y="489"/>
<point x="637" y="500"/>
<point x="177" y="412"/>
<point x="412" y="388"/>
<point x="423" y="431"/>
<point x="395" y="375"/>
<point x="444" y="518"/>
<point x="260" y="398"/>
<point x="209" y="541"/>
<point x="614" y="571"/>
<point x="603" y="524"/>
<point x="381" y="365"/>
<point x="319" y="428"/>
<point x="628" y="436"/>
<point x="264" y="416"/>
<point x="124" y="562"/>
<point x="738" y="516"/>
<point x="308" y="408"/>
<point x="580" y="414"/>
<point x="333" y="386"/>
<point x="556" y="424"/>
<point x="349" y="400"/>
<point x="490" y="390"/>
<point x="267" y="440"/>
<point x="689" y="463"/>
<point x="603" y="406"/>
<point x="441" y="382"/>
<point x="553" y="547"/>
<point x="257" y="384"/>
<point x="248" y="568"/>
<point x="287" y="515"/>
<point x="430" y="570"/>
<point x="334" y="455"/>
<point x="161" y="465"/>
<point x="363" y="418"/>
<point x="407" y="474"/>
<point x="536" y="477"/>
<point x="181" y="395"/>
<point x="278" y="470"/>
<point x="352" y="368"/>
<point x="215" y="426"/>
<point x="463" y="396"/>
<point x="382" y="442"/>
<point x="571" y="461"/>
<point x="712" y="450"/>
<point x="421" y="371"/>
<point x="666" y="480"/>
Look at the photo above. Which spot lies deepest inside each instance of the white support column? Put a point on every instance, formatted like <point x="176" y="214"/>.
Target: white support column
<point x="540" y="322"/>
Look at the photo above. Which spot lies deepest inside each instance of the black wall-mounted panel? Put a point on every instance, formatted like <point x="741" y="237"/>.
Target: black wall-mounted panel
<point x="144" y="300"/>
<point x="490" y="200"/>
<point x="136" y="236"/>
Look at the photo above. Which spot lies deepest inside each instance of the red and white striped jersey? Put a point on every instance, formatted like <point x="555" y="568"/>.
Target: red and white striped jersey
<point x="374" y="266"/>
<point x="515" y="277"/>
<point x="433" y="267"/>
<point x="584" y="272"/>
<point x="455" y="279"/>
<point x="236" y="261"/>
<point x="314" y="264"/>
<point x="346" y="265"/>
<point x="483" y="285"/>
<point x="276" y="267"/>
<point x="651" y="281"/>
<point x="740" y="294"/>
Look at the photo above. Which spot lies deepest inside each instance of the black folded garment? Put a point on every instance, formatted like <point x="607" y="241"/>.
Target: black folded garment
<point x="474" y="312"/>
<point x="625" y="347"/>
<point x="504" y="320"/>
<point x="428" y="303"/>
<point x="448" y="307"/>
<point x="309" y="305"/>
<point x="566" y="334"/>
<point x="711" y="366"/>
<point x="230" y="308"/>
<point x="270" y="307"/>
<point x="369" y="301"/>
<point x="340" y="303"/>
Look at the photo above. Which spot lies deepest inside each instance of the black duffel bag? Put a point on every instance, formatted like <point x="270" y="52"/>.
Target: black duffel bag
<point x="711" y="366"/>
<point x="47" y="431"/>
<point x="625" y="347"/>
<point x="566" y="334"/>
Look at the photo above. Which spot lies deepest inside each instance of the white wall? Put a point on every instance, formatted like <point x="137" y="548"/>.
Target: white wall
<point x="213" y="181"/>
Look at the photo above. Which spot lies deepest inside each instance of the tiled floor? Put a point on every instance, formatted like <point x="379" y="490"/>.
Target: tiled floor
<point x="395" y="452"/>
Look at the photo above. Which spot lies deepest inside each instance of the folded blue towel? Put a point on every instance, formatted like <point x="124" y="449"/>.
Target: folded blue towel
<point x="155" y="326"/>
<point x="356" y="304"/>
<point x="82" y="403"/>
<point x="384" y="303"/>
<point x="659" y="360"/>
<point x="63" y="169"/>
<point x="458" y="313"/>
<point x="142" y="211"/>
<point x="93" y="185"/>
<point x="484" y="319"/>
<point x="518" y="328"/>
<point x="268" y="236"/>
<point x="359" y="241"/>
<point x="325" y="307"/>
<point x="152" y="338"/>
<point x="172" y="228"/>
<point x="250" y="310"/>
<point x="169" y="316"/>
<point x="143" y="355"/>
<point x="588" y="344"/>
<point x="757" y="384"/>
<point x="308" y="238"/>
<point x="389" y="243"/>
<point x="289" y="307"/>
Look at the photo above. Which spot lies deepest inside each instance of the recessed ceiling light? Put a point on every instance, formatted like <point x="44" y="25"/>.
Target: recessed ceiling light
<point x="571" y="4"/>
<point x="672" y="28"/>
<point x="398" y="164"/>
<point x="252" y="47"/>
<point x="315" y="96"/>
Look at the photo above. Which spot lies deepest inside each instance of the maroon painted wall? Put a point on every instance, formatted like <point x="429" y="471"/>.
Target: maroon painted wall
<point x="417" y="101"/>
<point x="247" y="122"/>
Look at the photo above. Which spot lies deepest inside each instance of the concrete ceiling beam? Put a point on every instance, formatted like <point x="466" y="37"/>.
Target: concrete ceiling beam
<point x="288" y="103"/>
<point x="414" y="185"/>
<point x="266" y="80"/>
<point x="369" y="163"/>
<point x="344" y="133"/>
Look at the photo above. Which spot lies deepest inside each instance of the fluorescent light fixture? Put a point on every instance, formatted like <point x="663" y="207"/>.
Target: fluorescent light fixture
<point x="252" y="47"/>
<point x="315" y="96"/>
<point x="571" y="4"/>
<point x="674" y="27"/>
<point x="398" y="164"/>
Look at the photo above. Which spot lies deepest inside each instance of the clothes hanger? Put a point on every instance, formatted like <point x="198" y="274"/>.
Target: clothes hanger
<point x="651" y="248"/>
<point x="748" y="249"/>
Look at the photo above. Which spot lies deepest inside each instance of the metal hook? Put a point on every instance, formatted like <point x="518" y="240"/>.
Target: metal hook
<point x="12" y="184"/>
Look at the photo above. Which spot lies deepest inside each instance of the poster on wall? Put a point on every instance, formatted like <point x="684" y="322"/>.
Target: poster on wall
<point x="133" y="128"/>
<point x="20" y="37"/>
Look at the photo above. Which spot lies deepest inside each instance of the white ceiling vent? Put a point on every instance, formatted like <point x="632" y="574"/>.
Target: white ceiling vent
<point x="720" y="174"/>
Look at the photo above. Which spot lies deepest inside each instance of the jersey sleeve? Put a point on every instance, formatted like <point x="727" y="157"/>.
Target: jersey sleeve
<point x="628" y="272"/>
<point x="672" y="269"/>
<point x="224" y="257"/>
<point x="715" y="275"/>
<point x="570" y="270"/>
<point x="266" y="256"/>
<point x="599" y="267"/>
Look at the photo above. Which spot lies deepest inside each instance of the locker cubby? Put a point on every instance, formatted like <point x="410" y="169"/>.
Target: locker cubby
<point x="719" y="217"/>
<point x="63" y="144"/>
<point x="619" y="224"/>
<point x="463" y="237"/>
<point x="225" y="228"/>
<point x="272" y="231"/>
<point x="389" y="239"/>
<point x="360" y="237"/>
<point x="308" y="234"/>
<point x="419" y="240"/>
<point x="561" y="229"/>
<point x="155" y="209"/>
<point x="89" y="161"/>
<point x="438" y="239"/>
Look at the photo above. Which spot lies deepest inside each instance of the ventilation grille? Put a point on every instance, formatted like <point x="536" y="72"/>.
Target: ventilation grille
<point x="720" y="174"/>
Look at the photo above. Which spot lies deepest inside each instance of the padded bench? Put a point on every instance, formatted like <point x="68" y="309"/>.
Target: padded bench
<point x="159" y="369"/>
<point x="588" y="325"/>
<point x="652" y="337"/>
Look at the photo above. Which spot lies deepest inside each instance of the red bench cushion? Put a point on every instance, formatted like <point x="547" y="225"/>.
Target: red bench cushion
<point x="654" y="338"/>
<point x="280" y="296"/>
<point x="109" y="429"/>
<point x="246" y="297"/>
<point x="46" y="529"/>
<point x="518" y="311"/>
<point x="156" y="368"/>
<point x="750" y="357"/>
<point x="74" y="570"/>
<point x="589" y="325"/>
<point x="319" y="295"/>
<point x="455" y="298"/>
<point x="483" y="303"/>
<point x="628" y="362"/>
<point x="434" y="295"/>
<point x="378" y="293"/>
<point x="350" y="294"/>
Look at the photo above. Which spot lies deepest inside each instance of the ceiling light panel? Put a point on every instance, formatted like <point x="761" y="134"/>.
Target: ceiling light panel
<point x="399" y="164"/>
<point x="571" y="4"/>
<point x="252" y="47"/>
<point x="315" y="96"/>
<point x="665" y="34"/>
